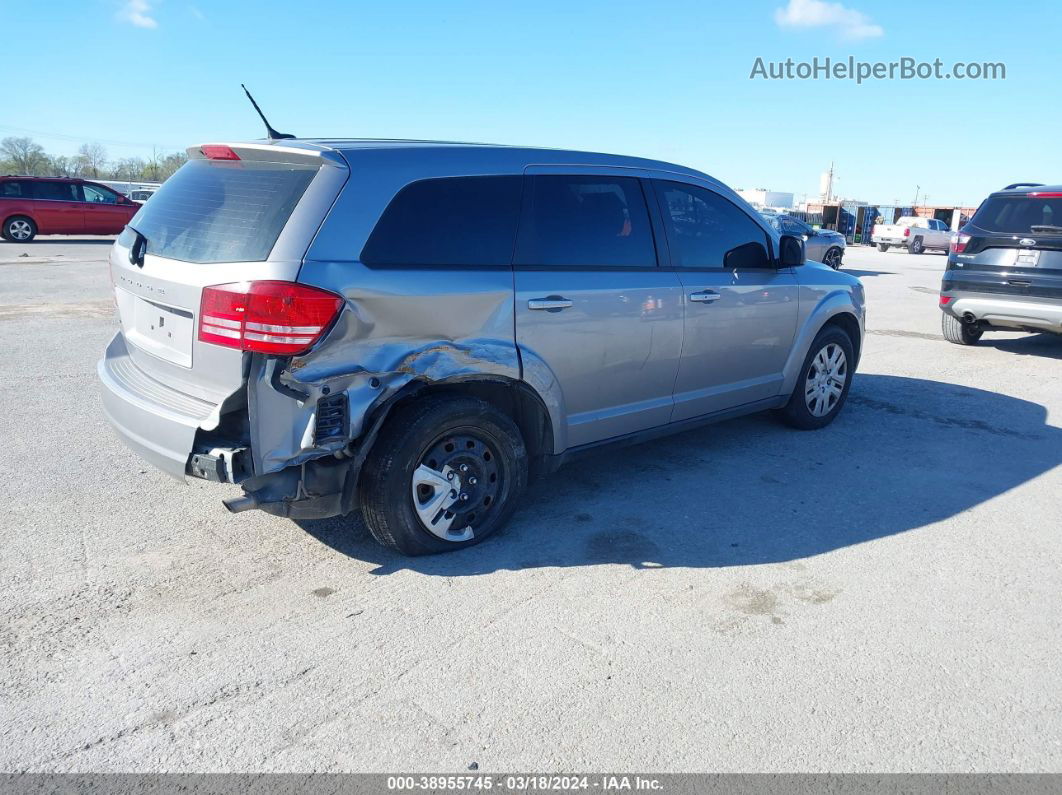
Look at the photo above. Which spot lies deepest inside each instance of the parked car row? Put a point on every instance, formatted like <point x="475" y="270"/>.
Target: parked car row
<point x="419" y="341"/>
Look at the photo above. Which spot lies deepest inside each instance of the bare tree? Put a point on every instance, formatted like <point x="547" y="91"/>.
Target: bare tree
<point x="171" y="163"/>
<point x="25" y="156"/>
<point x="62" y="166"/>
<point x="92" y="158"/>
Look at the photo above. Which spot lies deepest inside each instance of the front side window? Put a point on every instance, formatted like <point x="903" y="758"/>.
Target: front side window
<point x="586" y="222"/>
<point x="791" y="226"/>
<point x="454" y="221"/>
<point x="55" y="191"/>
<point x="708" y="231"/>
<point x="97" y="194"/>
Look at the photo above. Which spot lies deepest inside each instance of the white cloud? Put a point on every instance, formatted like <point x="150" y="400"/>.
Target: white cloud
<point x="138" y="13"/>
<point x="852" y="24"/>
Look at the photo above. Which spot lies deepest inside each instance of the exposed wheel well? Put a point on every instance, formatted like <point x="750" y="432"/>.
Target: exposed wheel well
<point x="847" y="322"/>
<point x="514" y="398"/>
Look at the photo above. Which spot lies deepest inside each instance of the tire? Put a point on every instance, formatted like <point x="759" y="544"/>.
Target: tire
<point x="798" y="411"/>
<point x="833" y="258"/>
<point x="916" y="246"/>
<point x="463" y="437"/>
<point x="958" y="332"/>
<point x="883" y="247"/>
<point x="19" y="229"/>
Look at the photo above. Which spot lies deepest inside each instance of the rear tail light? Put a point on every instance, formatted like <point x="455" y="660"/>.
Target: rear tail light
<point x="958" y="243"/>
<point x="907" y="232"/>
<point x="945" y="300"/>
<point x="266" y="317"/>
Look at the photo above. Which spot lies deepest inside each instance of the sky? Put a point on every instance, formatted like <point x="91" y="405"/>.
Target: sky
<point x="666" y="79"/>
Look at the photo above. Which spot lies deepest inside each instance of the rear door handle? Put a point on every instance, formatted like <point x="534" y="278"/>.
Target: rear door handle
<point x="705" y="297"/>
<point x="551" y="304"/>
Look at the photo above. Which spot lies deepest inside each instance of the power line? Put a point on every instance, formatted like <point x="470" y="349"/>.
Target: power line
<point x="89" y="139"/>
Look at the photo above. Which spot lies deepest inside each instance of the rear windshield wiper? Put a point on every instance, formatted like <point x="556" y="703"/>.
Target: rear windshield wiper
<point x="1045" y="228"/>
<point x="138" y="249"/>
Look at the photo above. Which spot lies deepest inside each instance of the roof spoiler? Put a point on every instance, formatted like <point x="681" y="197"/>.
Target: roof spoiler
<point x="1014" y="185"/>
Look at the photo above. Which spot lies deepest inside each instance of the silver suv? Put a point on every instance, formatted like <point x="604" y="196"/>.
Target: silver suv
<point x="415" y="328"/>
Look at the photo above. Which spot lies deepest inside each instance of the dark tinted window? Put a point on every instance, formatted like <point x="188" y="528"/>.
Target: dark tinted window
<point x="703" y="227"/>
<point x="13" y="189"/>
<point x="1021" y="215"/>
<point x="791" y="226"/>
<point x="452" y="221"/>
<point x="57" y="191"/>
<point x="222" y="211"/>
<point x="586" y="222"/>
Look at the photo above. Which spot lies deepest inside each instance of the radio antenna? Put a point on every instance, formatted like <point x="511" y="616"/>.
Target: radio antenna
<point x="273" y="134"/>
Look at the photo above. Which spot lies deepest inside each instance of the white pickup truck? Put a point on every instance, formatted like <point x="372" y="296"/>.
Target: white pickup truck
<point x="913" y="233"/>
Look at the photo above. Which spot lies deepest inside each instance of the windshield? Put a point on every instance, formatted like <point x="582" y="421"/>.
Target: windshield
<point x="1021" y="215"/>
<point x="221" y="211"/>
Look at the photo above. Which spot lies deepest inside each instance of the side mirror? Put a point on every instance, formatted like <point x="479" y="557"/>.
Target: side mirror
<point x="745" y="256"/>
<point x="791" y="252"/>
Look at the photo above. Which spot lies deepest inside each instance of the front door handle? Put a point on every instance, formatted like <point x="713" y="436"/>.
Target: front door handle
<point x="551" y="304"/>
<point x="705" y="297"/>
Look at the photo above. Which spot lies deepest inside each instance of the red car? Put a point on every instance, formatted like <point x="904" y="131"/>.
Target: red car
<point x="56" y="206"/>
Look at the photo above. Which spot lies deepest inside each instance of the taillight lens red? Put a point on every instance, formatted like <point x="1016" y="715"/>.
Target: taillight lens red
<point x="958" y="243"/>
<point x="218" y="152"/>
<point x="907" y="232"/>
<point x="266" y="317"/>
<point x="945" y="300"/>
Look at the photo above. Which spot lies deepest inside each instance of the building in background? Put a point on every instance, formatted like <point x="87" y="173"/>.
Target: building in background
<point x="761" y="197"/>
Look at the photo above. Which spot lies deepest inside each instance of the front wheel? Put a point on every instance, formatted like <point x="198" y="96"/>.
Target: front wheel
<point x="445" y="473"/>
<point x="824" y="380"/>
<point x="19" y="229"/>
<point x="958" y="332"/>
<point x="883" y="247"/>
<point x="833" y="258"/>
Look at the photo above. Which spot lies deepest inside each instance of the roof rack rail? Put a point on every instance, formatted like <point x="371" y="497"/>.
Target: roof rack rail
<point x="1014" y="185"/>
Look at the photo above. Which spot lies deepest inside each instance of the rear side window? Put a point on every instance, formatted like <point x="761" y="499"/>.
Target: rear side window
<point x="221" y="211"/>
<point x="1021" y="215"/>
<point x="56" y="191"/>
<point x="584" y="221"/>
<point x="13" y="189"/>
<point x="703" y="228"/>
<point x="455" y="221"/>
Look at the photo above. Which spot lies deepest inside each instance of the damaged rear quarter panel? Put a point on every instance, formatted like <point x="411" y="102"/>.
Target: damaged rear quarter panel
<point x="397" y="326"/>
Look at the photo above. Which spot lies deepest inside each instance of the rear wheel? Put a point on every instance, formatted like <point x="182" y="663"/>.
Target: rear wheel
<point x="883" y="247"/>
<point x="824" y="380"/>
<point x="916" y="246"/>
<point x="833" y="258"/>
<point x="445" y="473"/>
<point x="958" y="332"/>
<point x="19" y="229"/>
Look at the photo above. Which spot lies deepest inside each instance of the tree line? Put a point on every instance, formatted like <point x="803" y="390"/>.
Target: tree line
<point x="26" y="157"/>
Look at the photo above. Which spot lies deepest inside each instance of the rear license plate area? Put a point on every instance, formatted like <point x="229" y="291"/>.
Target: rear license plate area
<point x="1027" y="258"/>
<point x="163" y="331"/>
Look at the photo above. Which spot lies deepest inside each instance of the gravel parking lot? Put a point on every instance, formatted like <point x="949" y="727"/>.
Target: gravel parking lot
<point x="878" y="596"/>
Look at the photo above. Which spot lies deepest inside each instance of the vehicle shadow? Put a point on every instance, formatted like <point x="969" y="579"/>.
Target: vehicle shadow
<point x="1045" y="345"/>
<point x="860" y="273"/>
<point x="905" y="453"/>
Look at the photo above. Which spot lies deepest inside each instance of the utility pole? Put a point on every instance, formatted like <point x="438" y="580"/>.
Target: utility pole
<point x="915" y="202"/>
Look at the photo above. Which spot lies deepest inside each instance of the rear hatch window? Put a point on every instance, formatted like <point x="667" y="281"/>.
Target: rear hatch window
<point x="1021" y="215"/>
<point x="220" y="211"/>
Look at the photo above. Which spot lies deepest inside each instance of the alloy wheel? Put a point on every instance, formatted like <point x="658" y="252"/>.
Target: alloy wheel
<point x="825" y="380"/>
<point x="19" y="229"/>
